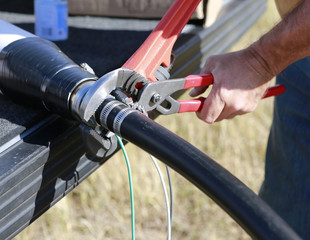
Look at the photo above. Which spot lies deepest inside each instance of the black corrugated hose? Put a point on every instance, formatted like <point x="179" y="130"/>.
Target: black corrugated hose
<point x="252" y="213"/>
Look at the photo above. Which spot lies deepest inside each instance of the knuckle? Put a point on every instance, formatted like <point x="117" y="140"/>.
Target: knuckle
<point x="247" y="108"/>
<point x="225" y="96"/>
<point x="237" y="105"/>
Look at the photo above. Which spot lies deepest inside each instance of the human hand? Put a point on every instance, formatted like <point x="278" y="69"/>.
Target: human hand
<point x="240" y="81"/>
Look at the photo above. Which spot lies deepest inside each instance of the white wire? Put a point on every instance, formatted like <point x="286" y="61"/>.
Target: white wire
<point x="171" y="193"/>
<point x="166" y="197"/>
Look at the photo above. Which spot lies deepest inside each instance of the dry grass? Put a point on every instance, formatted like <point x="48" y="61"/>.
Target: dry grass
<point x="100" y="208"/>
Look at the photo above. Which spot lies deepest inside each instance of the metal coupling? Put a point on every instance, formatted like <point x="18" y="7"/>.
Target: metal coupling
<point x="89" y="96"/>
<point x="111" y="115"/>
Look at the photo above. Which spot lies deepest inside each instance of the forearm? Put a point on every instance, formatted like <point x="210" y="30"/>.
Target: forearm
<point x="286" y="43"/>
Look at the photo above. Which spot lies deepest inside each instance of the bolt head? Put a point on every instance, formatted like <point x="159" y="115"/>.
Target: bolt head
<point x="156" y="98"/>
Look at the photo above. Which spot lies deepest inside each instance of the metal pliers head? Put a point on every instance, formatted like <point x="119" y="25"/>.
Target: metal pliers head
<point x="87" y="99"/>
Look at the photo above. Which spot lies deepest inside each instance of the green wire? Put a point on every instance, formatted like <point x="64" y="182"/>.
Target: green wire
<point x="130" y="187"/>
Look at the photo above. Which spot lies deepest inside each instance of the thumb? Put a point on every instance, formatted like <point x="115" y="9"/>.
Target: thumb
<point x="197" y="91"/>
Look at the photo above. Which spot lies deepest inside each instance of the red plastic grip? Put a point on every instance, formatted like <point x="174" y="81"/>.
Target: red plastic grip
<point x="198" y="80"/>
<point x="193" y="105"/>
<point x="274" y="91"/>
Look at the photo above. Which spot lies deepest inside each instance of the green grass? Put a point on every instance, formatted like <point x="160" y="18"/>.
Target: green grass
<point x="100" y="207"/>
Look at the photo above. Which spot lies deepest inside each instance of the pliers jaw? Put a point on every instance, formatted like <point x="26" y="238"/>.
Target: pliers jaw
<point x="158" y="95"/>
<point x="90" y="96"/>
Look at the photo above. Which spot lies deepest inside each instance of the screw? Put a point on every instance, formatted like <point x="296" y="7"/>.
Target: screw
<point x="87" y="68"/>
<point x="156" y="98"/>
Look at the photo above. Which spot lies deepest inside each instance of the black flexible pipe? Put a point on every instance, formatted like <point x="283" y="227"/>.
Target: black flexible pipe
<point x="252" y="213"/>
<point x="34" y="71"/>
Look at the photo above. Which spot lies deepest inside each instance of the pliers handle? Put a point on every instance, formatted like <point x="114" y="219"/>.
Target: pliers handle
<point x="157" y="48"/>
<point x="158" y="95"/>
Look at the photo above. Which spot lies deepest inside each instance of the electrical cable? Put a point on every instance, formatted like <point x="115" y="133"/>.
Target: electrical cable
<point x="130" y="187"/>
<point x="166" y="197"/>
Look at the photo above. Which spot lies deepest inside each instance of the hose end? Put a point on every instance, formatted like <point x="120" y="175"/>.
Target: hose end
<point x="112" y="113"/>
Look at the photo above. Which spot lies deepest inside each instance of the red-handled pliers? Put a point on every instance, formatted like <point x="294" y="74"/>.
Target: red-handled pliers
<point x="156" y="51"/>
<point x="158" y="95"/>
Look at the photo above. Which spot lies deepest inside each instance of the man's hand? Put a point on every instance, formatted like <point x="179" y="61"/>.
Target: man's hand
<point x="241" y="78"/>
<point x="240" y="81"/>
